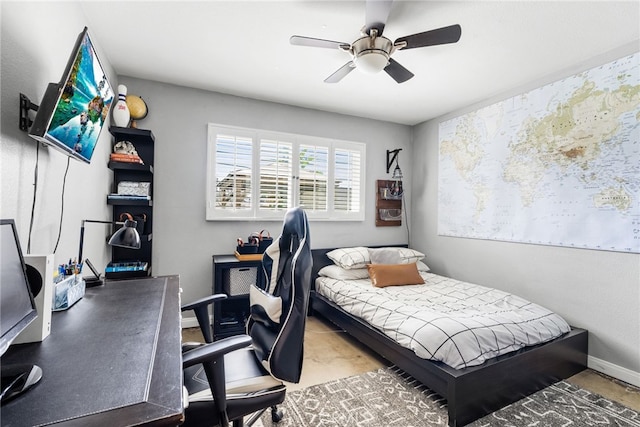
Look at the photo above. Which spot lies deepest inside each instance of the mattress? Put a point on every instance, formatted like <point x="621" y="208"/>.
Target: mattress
<point x="447" y="320"/>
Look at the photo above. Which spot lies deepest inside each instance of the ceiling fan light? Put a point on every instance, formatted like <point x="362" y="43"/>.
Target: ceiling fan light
<point x="371" y="62"/>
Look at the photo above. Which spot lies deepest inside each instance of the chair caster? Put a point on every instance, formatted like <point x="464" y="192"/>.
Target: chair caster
<point x="276" y="414"/>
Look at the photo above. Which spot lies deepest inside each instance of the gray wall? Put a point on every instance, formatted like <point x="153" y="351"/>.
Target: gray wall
<point x="592" y="289"/>
<point x="183" y="242"/>
<point x="35" y="49"/>
<point x="596" y="290"/>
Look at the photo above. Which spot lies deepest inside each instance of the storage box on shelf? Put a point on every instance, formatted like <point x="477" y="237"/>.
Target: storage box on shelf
<point x="132" y="194"/>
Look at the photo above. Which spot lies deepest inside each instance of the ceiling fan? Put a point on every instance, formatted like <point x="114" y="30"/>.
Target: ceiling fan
<point x="372" y="52"/>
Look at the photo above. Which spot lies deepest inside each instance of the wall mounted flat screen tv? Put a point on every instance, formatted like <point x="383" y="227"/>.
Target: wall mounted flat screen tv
<point x="73" y="111"/>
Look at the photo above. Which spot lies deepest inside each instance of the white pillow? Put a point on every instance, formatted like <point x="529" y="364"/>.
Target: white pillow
<point x="392" y="255"/>
<point x="422" y="266"/>
<point x="336" y="272"/>
<point x="350" y="258"/>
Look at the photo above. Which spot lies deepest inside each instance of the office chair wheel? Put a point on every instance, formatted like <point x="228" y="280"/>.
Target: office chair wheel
<point x="276" y="414"/>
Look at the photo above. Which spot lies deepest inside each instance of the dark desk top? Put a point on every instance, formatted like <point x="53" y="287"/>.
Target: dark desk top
<point x="113" y="359"/>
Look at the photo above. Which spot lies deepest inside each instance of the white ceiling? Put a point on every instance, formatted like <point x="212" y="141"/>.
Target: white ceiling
<point x="242" y="48"/>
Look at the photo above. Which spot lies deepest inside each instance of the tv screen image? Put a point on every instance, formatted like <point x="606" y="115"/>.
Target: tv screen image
<point x="73" y="112"/>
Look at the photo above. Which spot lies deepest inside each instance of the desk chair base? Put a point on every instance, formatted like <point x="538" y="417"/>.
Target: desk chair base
<point x="276" y="417"/>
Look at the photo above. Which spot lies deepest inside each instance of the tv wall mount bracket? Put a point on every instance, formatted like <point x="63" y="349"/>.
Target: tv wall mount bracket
<point x="25" y="106"/>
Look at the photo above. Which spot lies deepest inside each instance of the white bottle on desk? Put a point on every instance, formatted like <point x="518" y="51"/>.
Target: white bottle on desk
<point x="121" y="114"/>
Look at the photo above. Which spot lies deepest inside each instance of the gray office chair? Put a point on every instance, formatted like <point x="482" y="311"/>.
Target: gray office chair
<point x="241" y="375"/>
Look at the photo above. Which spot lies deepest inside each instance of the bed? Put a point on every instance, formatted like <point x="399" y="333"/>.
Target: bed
<point x="472" y="391"/>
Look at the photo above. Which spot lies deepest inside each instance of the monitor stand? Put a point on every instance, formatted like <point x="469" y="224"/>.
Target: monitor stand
<point x="16" y="379"/>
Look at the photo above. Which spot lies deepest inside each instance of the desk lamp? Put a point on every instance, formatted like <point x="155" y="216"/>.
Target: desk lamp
<point x="125" y="237"/>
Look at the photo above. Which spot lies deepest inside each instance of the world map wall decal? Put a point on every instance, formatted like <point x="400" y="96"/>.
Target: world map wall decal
<point x="558" y="165"/>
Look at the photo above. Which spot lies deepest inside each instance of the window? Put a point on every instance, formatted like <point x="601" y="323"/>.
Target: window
<point x="254" y="174"/>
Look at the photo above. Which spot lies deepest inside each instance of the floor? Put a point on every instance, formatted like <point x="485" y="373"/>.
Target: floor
<point x="330" y="353"/>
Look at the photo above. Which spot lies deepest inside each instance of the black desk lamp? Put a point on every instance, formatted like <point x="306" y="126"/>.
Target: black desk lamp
<point x="124" y="237"/>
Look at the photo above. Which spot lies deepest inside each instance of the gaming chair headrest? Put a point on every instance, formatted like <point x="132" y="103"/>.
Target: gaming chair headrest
<point x="295" y="224"/>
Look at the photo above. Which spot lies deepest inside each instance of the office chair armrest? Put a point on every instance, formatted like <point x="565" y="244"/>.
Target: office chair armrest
<point x="190" y="345"/>
<point x="203" y="301"/>
<point x="214" y="350"/>
<point x="201" y="309"/>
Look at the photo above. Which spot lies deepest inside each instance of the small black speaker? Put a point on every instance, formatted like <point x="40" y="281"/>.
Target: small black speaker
<point x="35" y="280"/>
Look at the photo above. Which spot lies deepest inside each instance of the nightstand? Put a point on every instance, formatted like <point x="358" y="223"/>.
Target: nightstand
<point x="233" y="278"/>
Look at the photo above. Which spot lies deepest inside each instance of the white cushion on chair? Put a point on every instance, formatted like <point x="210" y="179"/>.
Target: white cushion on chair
<point x="185" y="397"/>
<point x="201" y="396"/>
<point x="272" y="305"/>
<point x="244" y="374"/>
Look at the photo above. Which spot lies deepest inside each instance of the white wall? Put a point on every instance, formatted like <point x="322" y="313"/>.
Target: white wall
<point x="595" y="290"/>
<point x="183" y="242"/>
<point x="37" y="39"/>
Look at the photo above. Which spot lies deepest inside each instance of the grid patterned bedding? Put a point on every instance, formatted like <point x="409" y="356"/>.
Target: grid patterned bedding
<point x="458" y="323"/>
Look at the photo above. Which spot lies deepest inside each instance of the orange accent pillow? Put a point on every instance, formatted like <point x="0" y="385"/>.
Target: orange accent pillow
<point x="394" y="274"/>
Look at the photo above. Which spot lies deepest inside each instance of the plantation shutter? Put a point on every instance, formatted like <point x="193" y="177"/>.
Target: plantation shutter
<point x="255" y="174"/>
<point x="313" y="173"/>
<point x="347" y="180"/>
<point x="276" y="187"/>
<point x="233" y="172"/>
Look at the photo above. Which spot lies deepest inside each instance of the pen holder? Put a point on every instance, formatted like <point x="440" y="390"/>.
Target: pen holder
<point x="67" y="292"/>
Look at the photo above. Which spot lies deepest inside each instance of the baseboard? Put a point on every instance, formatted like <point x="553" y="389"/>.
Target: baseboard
<point x="615" y="371"/>
<point x="192" y="322"/>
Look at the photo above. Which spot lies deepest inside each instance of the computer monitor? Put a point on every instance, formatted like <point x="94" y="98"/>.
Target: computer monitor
<point x="17" y="310"/>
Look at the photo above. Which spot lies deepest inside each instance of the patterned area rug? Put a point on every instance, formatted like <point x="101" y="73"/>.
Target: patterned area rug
<point x="390" y="397"/>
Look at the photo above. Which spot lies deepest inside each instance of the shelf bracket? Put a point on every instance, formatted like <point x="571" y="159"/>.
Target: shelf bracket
<point x="25" y="106"/>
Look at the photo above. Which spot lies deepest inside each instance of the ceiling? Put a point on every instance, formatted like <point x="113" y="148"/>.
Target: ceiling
<point x="242" y="48"/>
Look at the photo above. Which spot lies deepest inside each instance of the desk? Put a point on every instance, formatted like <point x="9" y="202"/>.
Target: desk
<point x="113" y="359"/>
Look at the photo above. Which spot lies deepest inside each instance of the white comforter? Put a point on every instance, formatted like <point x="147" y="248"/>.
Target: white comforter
<point x="458" y="323"/>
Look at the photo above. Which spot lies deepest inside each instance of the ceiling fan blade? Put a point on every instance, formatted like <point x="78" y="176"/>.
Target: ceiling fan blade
<point x="444" y="35"/>
<point x="397" y="71"/>
<point x="376" y="14"/>
<point x="341" y="73"/>
<point x="310" y="41"/>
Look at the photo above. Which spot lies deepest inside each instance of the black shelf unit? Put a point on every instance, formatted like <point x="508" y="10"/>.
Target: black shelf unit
<point x="129" y="202"/>
<point x="143" y="140"/>
<point x="232" y="277"/>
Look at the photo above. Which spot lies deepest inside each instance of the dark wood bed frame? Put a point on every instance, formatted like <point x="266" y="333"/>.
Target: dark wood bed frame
<point x="473" y="392"/>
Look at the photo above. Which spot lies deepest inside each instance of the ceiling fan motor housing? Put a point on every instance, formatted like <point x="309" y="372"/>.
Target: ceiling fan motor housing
<point x="371" y="54"/>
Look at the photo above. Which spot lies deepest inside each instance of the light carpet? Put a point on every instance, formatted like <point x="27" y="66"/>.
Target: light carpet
<point x="390" y="397"/>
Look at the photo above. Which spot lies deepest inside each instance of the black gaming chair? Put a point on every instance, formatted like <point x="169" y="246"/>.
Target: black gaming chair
<point x="240" y="375"/>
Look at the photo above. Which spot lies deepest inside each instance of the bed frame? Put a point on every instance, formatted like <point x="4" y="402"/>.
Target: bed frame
<point x="472" y="392"/>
